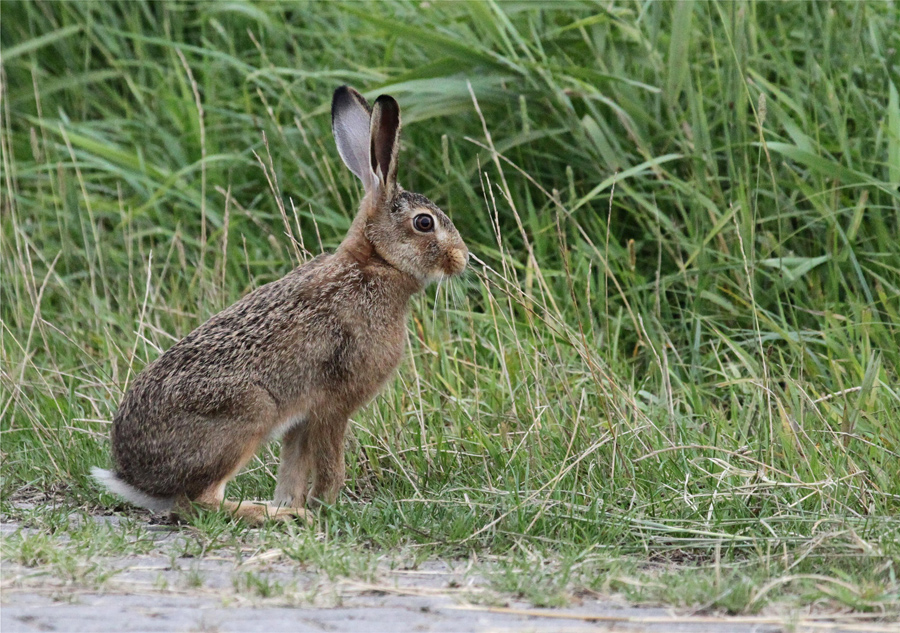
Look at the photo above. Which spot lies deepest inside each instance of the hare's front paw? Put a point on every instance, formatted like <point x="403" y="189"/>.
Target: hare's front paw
<point x="287" y="514"/>
<point x="288" y="499"/>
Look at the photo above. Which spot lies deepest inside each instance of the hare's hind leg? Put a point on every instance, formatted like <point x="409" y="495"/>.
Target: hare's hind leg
<point x="251" y="411"/>
<point x="254" y="512"/>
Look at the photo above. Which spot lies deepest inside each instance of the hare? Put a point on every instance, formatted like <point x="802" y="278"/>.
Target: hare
<point x="294" y="358"/>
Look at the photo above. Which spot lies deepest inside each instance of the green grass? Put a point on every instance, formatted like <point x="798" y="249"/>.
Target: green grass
<point x="672" y="370"/>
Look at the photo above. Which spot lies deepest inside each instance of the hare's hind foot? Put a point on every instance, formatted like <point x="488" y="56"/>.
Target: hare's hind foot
<point x="259" y="512"/>
<point x="253" y="512"/>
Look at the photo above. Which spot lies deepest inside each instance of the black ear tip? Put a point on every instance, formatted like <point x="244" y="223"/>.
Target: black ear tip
<point x="387" y="101"/>
<point x="340" y="99"/>
<point x="346" y="97"/>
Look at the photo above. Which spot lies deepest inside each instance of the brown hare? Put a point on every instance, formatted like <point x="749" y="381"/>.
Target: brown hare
<point x="294" y="358"/>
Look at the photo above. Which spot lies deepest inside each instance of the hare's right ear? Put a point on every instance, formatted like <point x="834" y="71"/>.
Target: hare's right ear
<point x="385" y="143"/>
<point x="350" y="118"/>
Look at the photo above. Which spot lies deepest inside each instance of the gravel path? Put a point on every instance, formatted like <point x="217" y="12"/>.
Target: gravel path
<point x="268" y="593"/>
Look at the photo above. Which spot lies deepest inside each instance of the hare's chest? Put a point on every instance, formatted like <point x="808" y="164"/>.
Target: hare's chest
<point x="362" y="359"/>
<point x="375" y="354"/>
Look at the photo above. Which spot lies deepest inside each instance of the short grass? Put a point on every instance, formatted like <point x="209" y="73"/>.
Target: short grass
<point x="672" y="370"/>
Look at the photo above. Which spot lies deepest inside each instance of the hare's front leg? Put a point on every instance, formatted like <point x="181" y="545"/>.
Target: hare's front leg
<point x="294" y="471"/>
<point x="326" y="447"/>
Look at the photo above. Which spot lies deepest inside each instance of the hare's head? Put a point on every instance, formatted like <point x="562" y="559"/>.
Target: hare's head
<point x="405" y="229"/>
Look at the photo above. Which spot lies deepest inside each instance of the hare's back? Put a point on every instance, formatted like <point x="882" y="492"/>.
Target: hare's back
<point x="243" y="335"/>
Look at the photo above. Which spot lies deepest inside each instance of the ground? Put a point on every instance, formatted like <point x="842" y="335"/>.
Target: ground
<point x="171" y="586"/>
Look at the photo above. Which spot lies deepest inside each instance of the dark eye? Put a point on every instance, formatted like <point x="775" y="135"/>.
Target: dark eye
<point x="424" y="223"/>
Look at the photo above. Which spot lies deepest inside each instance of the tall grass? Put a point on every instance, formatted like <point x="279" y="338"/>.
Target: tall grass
<point x="680" y="334"/>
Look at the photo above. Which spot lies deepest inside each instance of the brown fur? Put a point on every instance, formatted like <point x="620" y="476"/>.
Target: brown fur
<point x="299" y="355"/>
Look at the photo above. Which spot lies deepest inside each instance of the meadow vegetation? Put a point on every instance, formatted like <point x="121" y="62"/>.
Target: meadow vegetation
<point x="672" y="368"/>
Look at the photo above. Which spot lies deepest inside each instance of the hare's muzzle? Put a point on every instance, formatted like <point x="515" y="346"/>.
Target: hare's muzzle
<point x="457" y="258"/>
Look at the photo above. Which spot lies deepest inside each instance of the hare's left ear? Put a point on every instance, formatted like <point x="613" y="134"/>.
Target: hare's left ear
<point x="350" y="116"/>
<point x="384" y="138"/>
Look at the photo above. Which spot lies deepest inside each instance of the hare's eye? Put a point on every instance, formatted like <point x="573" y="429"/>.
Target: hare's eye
<point x="424" y="223"/>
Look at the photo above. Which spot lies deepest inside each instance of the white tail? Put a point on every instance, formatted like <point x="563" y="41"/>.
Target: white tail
<point x="111" y="482"/>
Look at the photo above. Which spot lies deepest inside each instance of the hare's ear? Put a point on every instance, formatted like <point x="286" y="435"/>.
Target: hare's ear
<point x="385" y="142"/>
<point x="350" y="114"/>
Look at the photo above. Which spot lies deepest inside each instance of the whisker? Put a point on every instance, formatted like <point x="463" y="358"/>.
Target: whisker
<point x="437" y="294"/>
